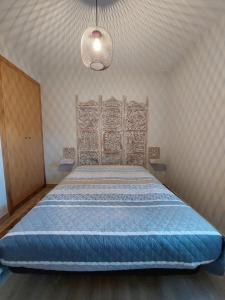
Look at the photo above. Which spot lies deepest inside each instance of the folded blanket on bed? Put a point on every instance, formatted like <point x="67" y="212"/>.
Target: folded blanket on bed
<point x="112" y="218"/>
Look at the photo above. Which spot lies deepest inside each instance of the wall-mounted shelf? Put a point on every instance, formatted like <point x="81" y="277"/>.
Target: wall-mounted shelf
<point x="66" y="165"/>
<point x="158" y="167"/>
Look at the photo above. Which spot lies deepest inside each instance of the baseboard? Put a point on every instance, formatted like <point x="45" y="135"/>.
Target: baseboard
<point x="21" y="204"/>
<point x="4" y="217"/>
<point x="11" y="219"/>
<point x="51" y="185"/>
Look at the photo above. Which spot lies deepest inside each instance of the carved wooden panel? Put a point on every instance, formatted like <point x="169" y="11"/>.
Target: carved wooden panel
<point x="136" y="116"/>
<point x="112" y="115"/>
<point x="88" y="123"/>
<point x="89" y="158"/>
<point x="112" y="132"/>
<point x="111" y="159"/>
<point x="136" y="133"/>
<point x="89" y="140"/>
<point x="88" y="116"/>
<point x="154" y="153"/>
<point x="112" y="142"/>
<point x="69" y="153"/>
<point x="135" y="159"/>
<point x="136" y="141"/>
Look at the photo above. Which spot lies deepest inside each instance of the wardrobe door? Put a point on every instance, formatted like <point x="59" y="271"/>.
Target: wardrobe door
<point x="34" y="136"/>
<point x="19" y="95"/>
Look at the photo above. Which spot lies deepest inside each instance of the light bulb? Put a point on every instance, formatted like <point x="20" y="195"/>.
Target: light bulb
<point x="97" y="45"/>
<point x="96" y="48"/>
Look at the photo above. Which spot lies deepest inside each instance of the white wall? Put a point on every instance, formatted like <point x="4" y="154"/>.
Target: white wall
<point x="58" y="101"/>
<point x="18" y="58"/>
<point x="3" y="200"/>
<point x="63" y="81"/>
<point x="196" y="152"/>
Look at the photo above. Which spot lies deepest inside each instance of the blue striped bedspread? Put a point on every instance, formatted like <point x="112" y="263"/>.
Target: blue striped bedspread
<point x="103" y="218"/>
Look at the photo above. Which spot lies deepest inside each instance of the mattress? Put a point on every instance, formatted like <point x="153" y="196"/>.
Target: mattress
<point x="104" y="218"/>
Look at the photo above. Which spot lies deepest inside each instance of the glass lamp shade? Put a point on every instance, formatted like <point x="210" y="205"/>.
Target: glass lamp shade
<point x="96" y="48"/>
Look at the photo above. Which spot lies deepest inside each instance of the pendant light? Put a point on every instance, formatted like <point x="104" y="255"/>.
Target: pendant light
<point x="96" y="47"/>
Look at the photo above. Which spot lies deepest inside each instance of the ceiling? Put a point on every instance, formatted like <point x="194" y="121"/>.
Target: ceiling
<point x="147" y="34"/>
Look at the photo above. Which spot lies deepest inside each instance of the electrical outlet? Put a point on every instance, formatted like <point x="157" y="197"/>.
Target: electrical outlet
<point x="154" y="153"/>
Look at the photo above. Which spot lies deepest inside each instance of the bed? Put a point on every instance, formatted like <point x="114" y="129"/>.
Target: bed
<point x="105" y="218"/>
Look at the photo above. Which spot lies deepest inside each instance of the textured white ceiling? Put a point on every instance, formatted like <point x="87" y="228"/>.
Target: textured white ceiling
<point x="147" y="34"/>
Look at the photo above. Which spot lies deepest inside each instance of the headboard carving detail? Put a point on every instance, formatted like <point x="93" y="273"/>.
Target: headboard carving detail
<point x="111" y="132"/>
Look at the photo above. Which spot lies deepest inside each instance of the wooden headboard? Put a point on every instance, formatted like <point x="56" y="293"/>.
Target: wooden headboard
<point x="111" y="132"/>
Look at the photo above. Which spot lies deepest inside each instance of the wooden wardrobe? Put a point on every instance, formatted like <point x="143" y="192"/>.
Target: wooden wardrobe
<point x="21" y="134"/>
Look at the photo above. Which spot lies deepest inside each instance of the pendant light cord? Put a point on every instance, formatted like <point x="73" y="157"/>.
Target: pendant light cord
<point x="96" y="13"/>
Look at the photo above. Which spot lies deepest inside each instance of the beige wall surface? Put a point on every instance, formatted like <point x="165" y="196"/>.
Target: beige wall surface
<point x="58" y="95"/>
<point x="61" y="83"/>
<point x="196" y="151"/>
